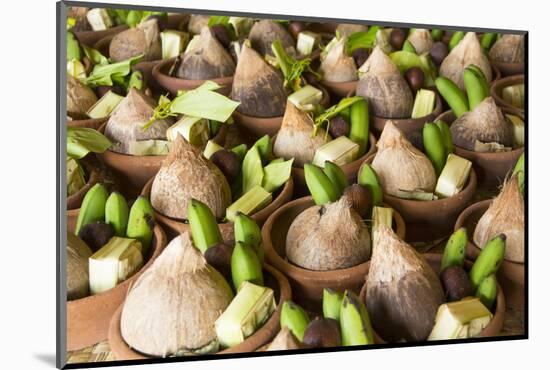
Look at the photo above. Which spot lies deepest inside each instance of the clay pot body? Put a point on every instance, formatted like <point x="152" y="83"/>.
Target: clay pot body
<point x="89" y="38"/>
<point x="498" y="85"/>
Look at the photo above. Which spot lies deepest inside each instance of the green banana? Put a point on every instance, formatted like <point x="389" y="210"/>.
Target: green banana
<point x="434" y="146"/>
<point x="295" y="319"/>
<point x="141" y="222"/>
<point x="93" y="207"/>
<point x="446" y="136"/>
<point x="116" y="213"/>
<point x="452" y="95"/>
<point x="519" y="168"/>
<point x="475" y="87"/>
<point x="204" y="227"/>
<point x="354" y="321"/>
<point x="336" y="176"/>
<point x="482" y="78"/>
<point x="368" y="178"/>
<point x="245" y="266"/>
<point x="488" y="261"/>
<point x="407" y="46"/>
<point x="332" y="301"/>
<point x="455" y="39"/>
<point x="247" y="231"/>
<point x="487" y="291"/>
<point x="73" y="48"/>
<point x="455" y="249"/>
<point x="437" y="35"/>
<point x="359" y="125"/>
<point x="345" y="114"/>
<point x="321" y="188"/>
<point x="487" y="40"/>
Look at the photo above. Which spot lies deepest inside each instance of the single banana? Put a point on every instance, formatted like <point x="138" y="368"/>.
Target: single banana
<point x="141" y="222"/>
<point x="447" y="136"/>
<point x="482" y="78"/>
<point x="116" y="213"/>
<point x="519" y="169"/>
<point x="204" y="227"/>
<point x="437" y="34"/>
<point x="434" y="146"/>
<point x="489" y="260"/>
<point x="369" y="179"/>
<point x="245" y="266"/>
<point x="336" y="176"/>
<point x="455" y="249"/>
<point x="359" y="125"/>
<point x="487" y="291"/>
<point x="354" y="321"/>
<point x="487" y="40"/>
<point x="452" y="95"/>
<point x="295" y="319"/>
<point x="332" y="301"/>
<point x="247" y="231"/>
<point x="455" y="39"/>
<point x="321" y="188"/>
<point x="93" y="207"/>
<point x="475" y="89"/>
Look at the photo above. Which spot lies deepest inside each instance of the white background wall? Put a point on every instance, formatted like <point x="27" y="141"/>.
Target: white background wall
<point x="27" y="181"/>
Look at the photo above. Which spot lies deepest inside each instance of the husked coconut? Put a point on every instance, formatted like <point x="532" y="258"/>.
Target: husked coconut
<point x="347" y="29"/>
<point x="264" y="32"/>
<point x="142" y="39"/>
<point x="197" y="22"/>
<point x="77" y="267"/>
<point x="337" y="66"/>
<point x="80" y="97"/>
<point x="284" y="340"/>
<point x="508" y="49"/>
<point x="422" y="40"/>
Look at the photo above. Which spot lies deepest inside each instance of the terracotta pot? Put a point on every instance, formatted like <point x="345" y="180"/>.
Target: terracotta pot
<point x="340" y="89"/>
<point x="273" y="279"/>
<point x="174" y="84"/>
<point x="307" y="284"/>
<point x="411" y="127"/>
<point x="177" y="21"/>
<point x="511" y="274"/>
<point x="433" y="219"/>
<point x="94" y="123"/>
<point x="491" y="168"/>
<point x="88" y="318"/>
<point x="494" y="327"/>
<point x="350" y="169"/>
<point x="509" y="69"/>
<point x="89" y="38"/>
<point x="177" y="226"/>
<point x="260" y="126"/>
<point x="498" y="85"/>
<point x="74" y="201"/>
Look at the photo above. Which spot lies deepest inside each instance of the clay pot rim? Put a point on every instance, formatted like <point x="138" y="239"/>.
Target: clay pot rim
<point x="307" y="275"/>
<point x="498" y="85"/>
<point x="93" y="178"/>
<point x="347" y="85"/>
<point x="87" y="122"/>
<point x="264" y="334"/>
<point x="438" y="109"/>
<point x="499" y="309"/>
<point x="505" y="66"/>
<point x="98" y="35"/>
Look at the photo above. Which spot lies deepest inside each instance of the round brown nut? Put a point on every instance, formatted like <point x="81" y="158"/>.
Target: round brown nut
<point x="397" y="38"/>
<point x="338" y="126"/>
<point x="456" y="283"/>
<point x="220" y="32"/>
<point x="439" y="52"/>
<point x="96" y="234"/>
<point x="415" y="78"/>
<point x="322" y="333"/>
<point x="296" y="27"/>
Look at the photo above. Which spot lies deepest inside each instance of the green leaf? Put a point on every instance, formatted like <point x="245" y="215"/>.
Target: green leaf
<point x="95" y="56"/>
<point x="204" y="103"/>
<point x="106" y="74"/>
<point x="405" y="60"/>
<point x="359" y="40"/>
<point x="333" y="111"/>
<point x="276" y="174"/>
<point x="81" y="141"/>
<point x="265" y="148"/>
<point x="291" y="68"/>
<point x="133" y="18"/>
<point x="252" y="168"/>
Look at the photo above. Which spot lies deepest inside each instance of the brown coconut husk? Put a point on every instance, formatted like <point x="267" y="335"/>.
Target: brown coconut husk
<point x="80" y="97"/>
<point x="186" y="174"/>
<point x="172" y="307"/>
<point x="328" y="237"/>
<point x="264" y="32"/>
<point x="403" y="292"/>
<point x="77" y="267"/>
<point x="422" y="40"/>
<point x="508" y="49"/>
<point x="347" y="29"/>
<point x="258" y="86"/>
<point x="285" y="340"/>
<point x="207" y="60"/>
<point x="295" y="140"/>
<point x="506" y="215"/>
<point x="142" y="39"/>
<point x="384" y="87"/>
<point x="197" y="22"/>
<point x="468" y="51"/>
<point x="126" y="123"/>
<point x="400" y="166"/>
<point x="337" y="66"/>
<point x="486" y="123"/>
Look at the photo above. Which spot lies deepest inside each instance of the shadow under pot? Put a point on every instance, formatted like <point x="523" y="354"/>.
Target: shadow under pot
<point x="429" y="220"/>
<point x="89" y="38"/>
<point x="491" y="167"/>
<point x="273" y="279"/>
<point x="88" y="318"/>
<point x="495" y="325"/>
<point x="75" y="200"/>
<point x="497" y="87"/>
<point x="510" y="274"/>
<point x="308" y="284"/>
<point x="177" y="226"/>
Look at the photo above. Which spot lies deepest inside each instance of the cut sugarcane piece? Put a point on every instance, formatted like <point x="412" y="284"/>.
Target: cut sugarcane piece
<point x="518" y="129"/>
<point x="307" y="41"/>
<point x="490" y="147"/>
<point x="340" y="151"/>
<point x="149" y="147"/>
<point x="211" y="148"/>
<point x="453" y="176"/>
<point x="105" y="106"/>
<point x="327" y="48"/>
<point x="173" y="43"/>
<point x="514" y="95"/>
<point x="424" y="103"/>
<point x="194" y="129"/>
<point x="99" y="19"/>
<point x="252" y="201"/>
<point x="115" y="262"/>
<point x="76" y="69"/>
<point x="465" y="318"/>
<point x="250" y="308"/>
<point x="415" y="195"/>
<point x="241" y="25"/>
<point x="306" y="99"/>
<point x="75" y="176"/>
